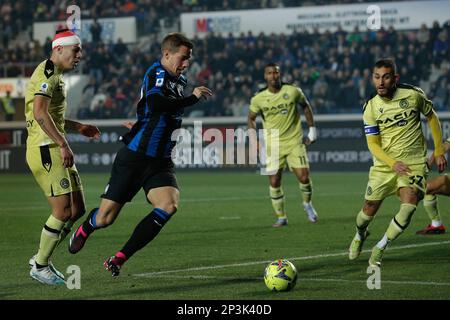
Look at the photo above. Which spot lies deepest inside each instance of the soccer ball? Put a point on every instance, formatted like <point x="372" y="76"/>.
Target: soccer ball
<point x="280" y="275"/>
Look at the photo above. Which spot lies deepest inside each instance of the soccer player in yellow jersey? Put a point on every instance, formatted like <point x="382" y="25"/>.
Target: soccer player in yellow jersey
<point x="395" y="139"/>
<point x="48" y="154"/>
<point x="439" y="185"/>
<point x="278" y="106"/>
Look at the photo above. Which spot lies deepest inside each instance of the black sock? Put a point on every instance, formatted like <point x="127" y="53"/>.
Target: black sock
<point x="89" y="224"/>
<point x="145" y="231"/>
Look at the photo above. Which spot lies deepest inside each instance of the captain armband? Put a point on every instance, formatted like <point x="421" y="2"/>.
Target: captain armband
<point x="371" y="130"/>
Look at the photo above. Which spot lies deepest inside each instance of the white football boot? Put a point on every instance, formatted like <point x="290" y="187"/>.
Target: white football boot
<point x="312" y="214"/>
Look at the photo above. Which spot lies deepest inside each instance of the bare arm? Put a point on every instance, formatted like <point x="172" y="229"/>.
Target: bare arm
<point x="307" y="111"/>
<point x="45" y="121"/>
<point x="86" y="130"/>
<point x="439" y="153"/>
<point x="251" y="125"/>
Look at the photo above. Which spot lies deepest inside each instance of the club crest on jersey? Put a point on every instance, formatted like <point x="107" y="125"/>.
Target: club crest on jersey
<point x="285" y="96"/>
<point x="64" y="183"/>
<point x="404" y="103"/>
<point x="159" y="82"/>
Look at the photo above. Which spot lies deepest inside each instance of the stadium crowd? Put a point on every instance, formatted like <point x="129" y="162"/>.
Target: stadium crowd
<point x="332" y="68"/>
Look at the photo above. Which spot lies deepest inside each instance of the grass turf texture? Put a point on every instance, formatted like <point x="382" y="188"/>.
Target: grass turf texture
<point x="221" y="239"/>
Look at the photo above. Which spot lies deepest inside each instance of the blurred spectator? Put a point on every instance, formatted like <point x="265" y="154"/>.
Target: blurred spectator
<point x="96" y="31"/>
<point x="8" y="106"/>
<point x="332" y="68"/>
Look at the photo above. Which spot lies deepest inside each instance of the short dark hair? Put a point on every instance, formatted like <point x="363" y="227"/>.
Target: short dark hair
<point x="386" y="63"/>
<point x="271" y="64"/>
<point x="175" y="40"/>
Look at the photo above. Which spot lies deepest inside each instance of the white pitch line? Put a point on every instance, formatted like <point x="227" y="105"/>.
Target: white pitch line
<point x="204" y="277"/>
<point x="251" y="263"/>
<point x="423" y="283"/>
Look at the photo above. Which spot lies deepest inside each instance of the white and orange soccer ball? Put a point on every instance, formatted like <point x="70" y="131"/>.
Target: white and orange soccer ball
<point x="280" y="275"/>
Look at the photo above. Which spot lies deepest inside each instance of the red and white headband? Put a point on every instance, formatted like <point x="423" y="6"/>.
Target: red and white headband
<point x="66" y="38"/>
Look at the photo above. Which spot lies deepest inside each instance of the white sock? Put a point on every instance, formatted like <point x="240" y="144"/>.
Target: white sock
<point x="382" y="244"/>
<point x="436" y="223"/>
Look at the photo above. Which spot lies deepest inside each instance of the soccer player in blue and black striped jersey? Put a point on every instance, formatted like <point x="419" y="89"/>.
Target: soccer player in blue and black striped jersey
<point x="145" y="162"/>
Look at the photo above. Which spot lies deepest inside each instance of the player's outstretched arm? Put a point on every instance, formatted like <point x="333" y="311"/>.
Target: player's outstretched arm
<point x="202" y="92"/>
<point x="128" y="124"/>
<point x="86" y="130"/>
<point x="158" y="102"/>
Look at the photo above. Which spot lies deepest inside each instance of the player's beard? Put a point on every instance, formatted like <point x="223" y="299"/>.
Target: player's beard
<point x="388" y="92"/>
<point x="276" y="84"/>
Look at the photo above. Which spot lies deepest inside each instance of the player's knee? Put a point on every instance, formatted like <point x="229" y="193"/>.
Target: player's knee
<point x="63" y="214"/>
<point x="370" y="207"/>
<point x="304" y="178"/>
<point x="170" y="207"/>
<point x="275" y="182"/>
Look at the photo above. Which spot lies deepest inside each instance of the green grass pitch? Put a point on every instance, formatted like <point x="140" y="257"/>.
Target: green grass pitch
<point x="220" y="240"/>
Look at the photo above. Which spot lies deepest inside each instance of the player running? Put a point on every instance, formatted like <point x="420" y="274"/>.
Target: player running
<point x="145" y="162"/>
<point x="395" y="139"/>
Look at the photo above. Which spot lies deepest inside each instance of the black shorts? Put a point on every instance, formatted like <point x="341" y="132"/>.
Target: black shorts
<point x="132" y="171"/>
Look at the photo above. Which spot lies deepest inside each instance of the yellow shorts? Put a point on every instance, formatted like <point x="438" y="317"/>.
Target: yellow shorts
<point x="293" y="155"/>
<point x="46" y="165"/>
<point x="383" y="181"/>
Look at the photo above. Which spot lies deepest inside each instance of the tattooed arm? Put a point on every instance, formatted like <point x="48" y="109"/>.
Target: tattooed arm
<point x="45" y="121"/>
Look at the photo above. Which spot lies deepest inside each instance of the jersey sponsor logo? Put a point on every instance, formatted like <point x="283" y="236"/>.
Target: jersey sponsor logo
<point x="64" y="183"/>
<point x="281" y="108"/>
<point x="44" y="87"/>
<point x="397" y="117"/>
<point x="402" y="123"/>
